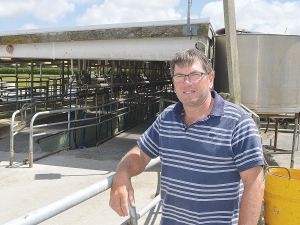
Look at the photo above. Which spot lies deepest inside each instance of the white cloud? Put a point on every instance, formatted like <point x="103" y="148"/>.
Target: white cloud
<point x="12" y="9"/>
<point x="46" y="10"/>
<point x="29" y="26"/>
<point x="124" y="11"/>
<point x="259" y="15"/>
<point x="52" y="10"/>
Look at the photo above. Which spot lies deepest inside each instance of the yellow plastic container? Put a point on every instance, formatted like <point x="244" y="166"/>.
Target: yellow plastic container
<point x="282" y="197"/>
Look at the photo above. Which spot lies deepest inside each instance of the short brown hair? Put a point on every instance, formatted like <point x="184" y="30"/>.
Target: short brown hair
<point x="188" y="57"/>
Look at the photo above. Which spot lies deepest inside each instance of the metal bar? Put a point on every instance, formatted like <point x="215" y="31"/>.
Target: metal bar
<point x="46" y="212"/>
<point x="12" y="126"/>
<point x="79" y="127"/>
<point x="294" y="140"/>
<point x="276" y="134"/>
<point x="132" y="213"/>
<point x="281" y="152"/>
<point x="31" y="88"/>
<point x="18" y="131"/>
<point x="189" y="16"/>
<point x="31" y="135"/>
<point x="146" y="209"/>
<point x="282" y="130"/>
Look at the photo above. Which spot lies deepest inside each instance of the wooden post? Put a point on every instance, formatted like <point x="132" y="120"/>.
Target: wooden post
<point x="232" y="52"/>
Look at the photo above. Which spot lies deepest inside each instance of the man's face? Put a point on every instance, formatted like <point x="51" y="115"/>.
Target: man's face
<point x="193" y="93"/>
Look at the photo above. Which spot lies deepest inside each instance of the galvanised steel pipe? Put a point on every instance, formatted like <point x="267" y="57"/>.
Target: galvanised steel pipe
<point x="46" y="212"/>
<point x="12" y="134"/>
<point x="144" y="210"/>
<point x="189" y="16"/>
<point x="31" y="135"/>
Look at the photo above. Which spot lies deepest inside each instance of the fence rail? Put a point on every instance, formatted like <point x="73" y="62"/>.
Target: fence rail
<point x="121" y="112"/>
<point x="105" y="114"/>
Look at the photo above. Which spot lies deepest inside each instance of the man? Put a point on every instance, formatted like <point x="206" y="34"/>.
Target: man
<point x="210" y="151"/>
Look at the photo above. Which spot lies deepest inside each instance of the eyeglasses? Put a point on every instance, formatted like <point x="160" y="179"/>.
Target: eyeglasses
<point x="196" y="76"/>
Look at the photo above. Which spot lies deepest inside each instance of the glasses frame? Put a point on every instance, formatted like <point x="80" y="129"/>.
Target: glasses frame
<point x="188" y="75"/>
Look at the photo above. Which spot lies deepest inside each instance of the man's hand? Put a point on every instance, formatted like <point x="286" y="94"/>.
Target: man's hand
<point x="133" y="163"/>
<point x="121" y="191"/>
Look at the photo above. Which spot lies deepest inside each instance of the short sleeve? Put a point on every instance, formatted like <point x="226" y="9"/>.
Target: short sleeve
<point x="246" y="144"/>
<point x="149" y="141"/>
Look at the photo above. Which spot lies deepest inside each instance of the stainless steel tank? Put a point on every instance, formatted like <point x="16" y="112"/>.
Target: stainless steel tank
<point x="269" y="71"/>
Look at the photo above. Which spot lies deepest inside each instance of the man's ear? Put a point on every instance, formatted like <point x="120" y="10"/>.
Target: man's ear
<point x="211" y="79"/>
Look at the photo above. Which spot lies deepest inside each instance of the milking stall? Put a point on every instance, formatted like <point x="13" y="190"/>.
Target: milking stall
<point x="63" y="133"/>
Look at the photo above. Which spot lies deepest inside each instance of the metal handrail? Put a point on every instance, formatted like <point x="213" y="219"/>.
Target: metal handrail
<point x="13" y="125"/>
<point x="31" y="134"/>
<point x="24" y="120"/>
<point x="46" y="212"/>
<point x="34" y="105"/>
<point x="254" y="116"/>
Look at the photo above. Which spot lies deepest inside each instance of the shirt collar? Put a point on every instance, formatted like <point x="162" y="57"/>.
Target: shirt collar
<point x="217" y="109"/>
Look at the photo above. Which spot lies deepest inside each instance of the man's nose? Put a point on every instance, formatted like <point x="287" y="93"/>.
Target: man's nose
<point x="187" y="79"/>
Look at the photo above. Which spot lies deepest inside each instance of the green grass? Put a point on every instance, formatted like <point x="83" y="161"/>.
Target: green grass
<point x="24" y="80"/>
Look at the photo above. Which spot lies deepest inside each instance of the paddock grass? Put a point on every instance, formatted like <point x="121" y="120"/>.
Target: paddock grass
<point x="24" y="80"/>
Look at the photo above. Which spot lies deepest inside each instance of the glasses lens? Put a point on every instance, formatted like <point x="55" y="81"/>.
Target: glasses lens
<point x="178" y="78"/>
<point x="195" y="76"/>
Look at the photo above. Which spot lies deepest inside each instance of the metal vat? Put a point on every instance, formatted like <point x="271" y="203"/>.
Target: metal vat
<point x="269" y="71"/>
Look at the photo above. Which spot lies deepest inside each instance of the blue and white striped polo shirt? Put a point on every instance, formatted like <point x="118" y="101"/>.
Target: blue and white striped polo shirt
<point x="200" y="181"/>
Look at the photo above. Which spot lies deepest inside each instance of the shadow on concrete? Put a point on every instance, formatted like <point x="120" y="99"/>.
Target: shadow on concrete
<point x="53" y="176"/>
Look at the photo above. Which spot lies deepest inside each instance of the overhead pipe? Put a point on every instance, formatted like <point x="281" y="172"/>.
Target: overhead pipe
<point x="189" y="30"/>
<point x="189" y="16"/>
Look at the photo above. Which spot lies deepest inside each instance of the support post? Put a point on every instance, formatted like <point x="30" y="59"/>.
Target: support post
<point x="294" y="139"/>
<point x="132" y="213"/>
<point x="232" y="52"/>
<point x="17" y="84"/>
<point x="31" y="89"/>
<point x="62" y="79"/>
<point x="112" y="78"/>
<point x="31" y="78"/>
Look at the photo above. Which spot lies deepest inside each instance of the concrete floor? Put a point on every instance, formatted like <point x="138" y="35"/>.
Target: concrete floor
<point x="25" y="189"/>
<point x="285" y="141"/>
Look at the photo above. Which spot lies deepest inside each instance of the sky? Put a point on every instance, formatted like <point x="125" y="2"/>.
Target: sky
<point x="267" y="16"/>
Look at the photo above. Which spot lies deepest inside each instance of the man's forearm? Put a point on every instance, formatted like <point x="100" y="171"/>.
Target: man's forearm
<point x="251" y="201"/>
<point x="133" y="163"/>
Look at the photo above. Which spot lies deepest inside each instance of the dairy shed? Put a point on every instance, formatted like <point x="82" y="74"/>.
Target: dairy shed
<point x="120" y="71"/>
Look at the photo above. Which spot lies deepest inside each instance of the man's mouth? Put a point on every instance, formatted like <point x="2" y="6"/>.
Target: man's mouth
<point x="188" y="92"/>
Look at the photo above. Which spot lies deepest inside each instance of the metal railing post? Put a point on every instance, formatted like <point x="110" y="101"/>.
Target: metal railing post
<point x="31" y="141"/>
<point x="12" y="124"/>
<point x="294" y="139"/>
<point x="132" y="213"/>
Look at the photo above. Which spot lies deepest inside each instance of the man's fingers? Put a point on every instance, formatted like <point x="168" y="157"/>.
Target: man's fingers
<point x="131" y="197"/>
<point x="120" y="195"/>
<point x="124" y="206"/>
